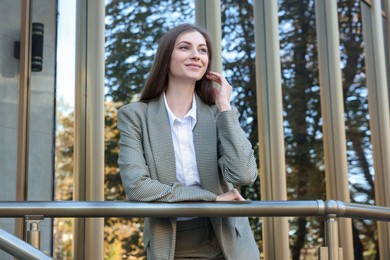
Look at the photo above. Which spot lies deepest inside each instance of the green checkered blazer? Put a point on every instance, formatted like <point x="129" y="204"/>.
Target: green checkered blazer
<point x="147" y="167"/>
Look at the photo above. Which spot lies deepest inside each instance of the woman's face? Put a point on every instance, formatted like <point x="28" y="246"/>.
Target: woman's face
<point x="189" y="58"/>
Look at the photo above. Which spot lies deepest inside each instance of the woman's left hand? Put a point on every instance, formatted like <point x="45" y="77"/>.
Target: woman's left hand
<point x="232" y="195"/>
<point x="222" y="96"/>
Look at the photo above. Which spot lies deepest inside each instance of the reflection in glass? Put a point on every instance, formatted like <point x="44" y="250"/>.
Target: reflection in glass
<point x="359" y="148"/>
<point x="302" y="119"/>
<point x="65" y="89"/>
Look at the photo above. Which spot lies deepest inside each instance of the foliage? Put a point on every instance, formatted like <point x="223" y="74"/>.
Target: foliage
<point x="132" y="28"/>
<point x="62" y="237"/>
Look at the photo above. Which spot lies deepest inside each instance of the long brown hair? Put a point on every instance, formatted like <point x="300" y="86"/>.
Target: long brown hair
<point x="157" y="81"/>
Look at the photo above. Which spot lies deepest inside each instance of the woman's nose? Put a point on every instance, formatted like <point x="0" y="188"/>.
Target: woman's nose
<point x="195" y="54"/>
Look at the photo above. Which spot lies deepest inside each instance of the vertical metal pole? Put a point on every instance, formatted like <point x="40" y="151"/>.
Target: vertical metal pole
<point x="387" y="41"/>
<point x="271" y="136"/>
<point x="80" y="127"/>
<point x="89" y="125"/>
<point x="95" y="125"/>
<point x="208" y="15"/>
<point x="332" y="109"/>
<point x="23" y="114"/>
<point x="378" y="104"/>
<point x="332" y="237"/>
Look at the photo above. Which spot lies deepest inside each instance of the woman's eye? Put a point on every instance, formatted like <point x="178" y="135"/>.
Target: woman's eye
<point x="183" y="48"/>
<point x="203" y="50"/>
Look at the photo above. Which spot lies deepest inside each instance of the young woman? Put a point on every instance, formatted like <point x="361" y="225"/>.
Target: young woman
<point x="182" y="142"/>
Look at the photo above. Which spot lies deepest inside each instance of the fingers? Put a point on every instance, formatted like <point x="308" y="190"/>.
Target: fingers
<point x="238" y="195"/>
<point x="232" y="195"/>
<point x="216" y="77"/>
<point x="222" y="96"/>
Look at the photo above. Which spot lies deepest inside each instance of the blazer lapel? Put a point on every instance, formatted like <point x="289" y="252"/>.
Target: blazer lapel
<point x="161" y="141"/>
<point x="205" y="141"/>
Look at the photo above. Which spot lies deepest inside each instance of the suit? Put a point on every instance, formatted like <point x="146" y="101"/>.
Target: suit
<point x="147" y="166"/>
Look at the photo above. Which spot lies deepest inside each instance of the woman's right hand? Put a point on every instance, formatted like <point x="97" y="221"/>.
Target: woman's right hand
<point x="232" y="195"/>
<point x="222" y="95"/>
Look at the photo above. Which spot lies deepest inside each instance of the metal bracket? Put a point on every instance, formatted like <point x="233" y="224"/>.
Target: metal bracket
<point x="33" y="234"/>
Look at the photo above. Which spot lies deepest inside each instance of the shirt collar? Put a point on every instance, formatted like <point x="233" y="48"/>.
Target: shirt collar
<point x="191" y="113"/>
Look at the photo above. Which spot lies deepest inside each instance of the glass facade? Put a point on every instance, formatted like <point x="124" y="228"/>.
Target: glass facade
<point x="131" y="30"/>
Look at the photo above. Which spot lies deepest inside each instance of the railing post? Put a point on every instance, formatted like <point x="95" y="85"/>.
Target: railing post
<point x="332" y="237"/>
<point x="33" y="234"/>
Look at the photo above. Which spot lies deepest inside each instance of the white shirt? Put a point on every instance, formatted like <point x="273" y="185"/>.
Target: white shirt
<point x="183" y="142"/>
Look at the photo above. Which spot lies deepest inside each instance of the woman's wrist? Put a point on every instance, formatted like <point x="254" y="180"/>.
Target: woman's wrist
<point x="223" y="106"/>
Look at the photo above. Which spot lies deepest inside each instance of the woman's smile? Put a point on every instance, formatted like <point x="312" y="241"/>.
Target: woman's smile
<point x="193" y="66"/>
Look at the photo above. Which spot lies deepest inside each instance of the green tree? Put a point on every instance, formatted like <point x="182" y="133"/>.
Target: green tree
<point x="132" y="28"/>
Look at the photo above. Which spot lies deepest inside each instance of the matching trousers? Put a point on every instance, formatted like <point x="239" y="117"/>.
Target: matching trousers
<point x="195" y="239"/>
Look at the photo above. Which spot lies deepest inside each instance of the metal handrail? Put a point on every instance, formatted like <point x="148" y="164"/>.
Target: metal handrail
<point x="330" y="210"/>
<point x="18" y="248"/>
<point x="80" y="209"/>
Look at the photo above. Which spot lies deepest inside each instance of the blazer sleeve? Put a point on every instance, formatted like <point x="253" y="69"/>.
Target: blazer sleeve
<point x="135" y="174"/>
<point x="236" y="157"/>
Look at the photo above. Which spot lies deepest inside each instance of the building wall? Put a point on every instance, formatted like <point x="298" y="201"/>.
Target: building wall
<point x="9" y="83"/>
<point x="42" y="111"/>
